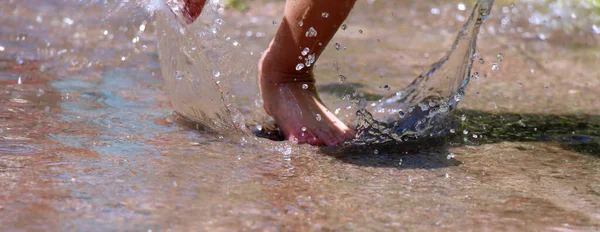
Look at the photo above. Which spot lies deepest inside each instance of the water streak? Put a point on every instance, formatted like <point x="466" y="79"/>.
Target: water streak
<point x="423" y="108"/>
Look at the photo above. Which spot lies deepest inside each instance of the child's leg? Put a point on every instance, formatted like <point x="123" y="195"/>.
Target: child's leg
<point x="287" y="88"/>
<point x="287" y="82"/>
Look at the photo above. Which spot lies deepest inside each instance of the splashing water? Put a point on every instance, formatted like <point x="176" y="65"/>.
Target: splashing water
<point x="423" y="108"/>
<point x="419" y="110"/>
<point x="200" y="97"/>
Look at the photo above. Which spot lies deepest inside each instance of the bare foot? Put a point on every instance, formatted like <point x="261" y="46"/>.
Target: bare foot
<point x="299" y="112"/>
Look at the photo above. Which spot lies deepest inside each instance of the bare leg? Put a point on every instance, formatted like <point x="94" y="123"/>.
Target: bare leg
<point x="287" y="88"/>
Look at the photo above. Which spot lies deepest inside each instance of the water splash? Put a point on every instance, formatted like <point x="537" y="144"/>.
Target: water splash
<point x="423" y="108"/>
<point x="417" y="111"/>
<point x="201" y="96"/>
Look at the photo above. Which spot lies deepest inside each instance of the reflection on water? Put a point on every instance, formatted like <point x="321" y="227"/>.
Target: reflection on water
<point x="88" y="140"/>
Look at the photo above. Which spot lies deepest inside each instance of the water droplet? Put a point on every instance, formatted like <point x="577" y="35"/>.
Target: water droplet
<point x="424" y="107"/>
<point x="465" y="132"/>
<point x="375" y="152"/>
<point x="463" y="117"/>
<point x="461" y="6"/>
<point x="450" y="156"/>
<point x="311" y="32"/>
<point x="305" y="51"/>
<point x="325" y="15"/>
<point x="304" y="86"/>
<point x="236" y="43"/>
<point x="481" y="61"/>
<point x="105" y="32"/>
<point x="342" y="79"/>
<point x="338" y="46"/>
<point x="299" y="66"/>
<point x="500" y="57"/>
<point x="318" y="117"/>
<point x="475" y="76"/>
<point x="259" y="127"/>
<point x="344" y="27"/>
<point x="219" y="21"/>
<point x="178" y="75"/>
<point x="68" y="21"/>
<point x="303" y="128"/>
<point x="402" y="114"/>
<point x="1" y="49"/>
<point x="337" y="111"/>
<point x="288" y="149"/>
<point x="216" y="73"/>
<point x="474" y="136"/>
<point x="19" y="81"/>
<point x="452" y="131"/>
<point x="300" y="23"/>
<point x="294" y="139"/>
<point x="435" y="11"/>
<point x="310" y="60"/>
<point x="495" y="67"/>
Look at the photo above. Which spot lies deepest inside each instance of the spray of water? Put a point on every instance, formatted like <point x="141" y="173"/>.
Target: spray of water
<point x="423" y="108"/>
<point x="193" y="58"/>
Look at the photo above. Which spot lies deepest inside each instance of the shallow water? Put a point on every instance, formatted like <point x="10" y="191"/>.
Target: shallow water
<point x="88" y="140"/>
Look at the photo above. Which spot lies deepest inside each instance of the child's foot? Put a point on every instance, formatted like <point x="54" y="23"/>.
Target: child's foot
<point x="299" y="112"/>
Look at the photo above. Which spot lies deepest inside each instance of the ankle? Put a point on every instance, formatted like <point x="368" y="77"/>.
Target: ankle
<point x="271" y="69"/>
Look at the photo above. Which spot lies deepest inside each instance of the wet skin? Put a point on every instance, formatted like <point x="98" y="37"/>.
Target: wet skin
<point x="288" y="91"/>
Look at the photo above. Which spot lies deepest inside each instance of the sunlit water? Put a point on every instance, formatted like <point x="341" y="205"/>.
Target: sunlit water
<point x="88" y="140"/>
<point x="190" y="52"/>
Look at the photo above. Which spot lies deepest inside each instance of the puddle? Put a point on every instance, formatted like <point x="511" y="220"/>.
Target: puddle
<point x="89" y="141"/>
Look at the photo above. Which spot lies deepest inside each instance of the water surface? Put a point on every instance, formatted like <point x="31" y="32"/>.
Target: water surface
<point x="88" y="139"/>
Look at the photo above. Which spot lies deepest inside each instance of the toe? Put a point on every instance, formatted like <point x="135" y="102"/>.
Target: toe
<point x="343" y="135"/>
<point x="326" y="137"/>
<point x="314" y="141"/>
<point x="349" y="134"/>
<point x="303" y="137"/>
<point x="310" y="138"/>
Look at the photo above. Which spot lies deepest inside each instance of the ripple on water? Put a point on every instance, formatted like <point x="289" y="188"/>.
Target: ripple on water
<point x="17" y="147"/>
